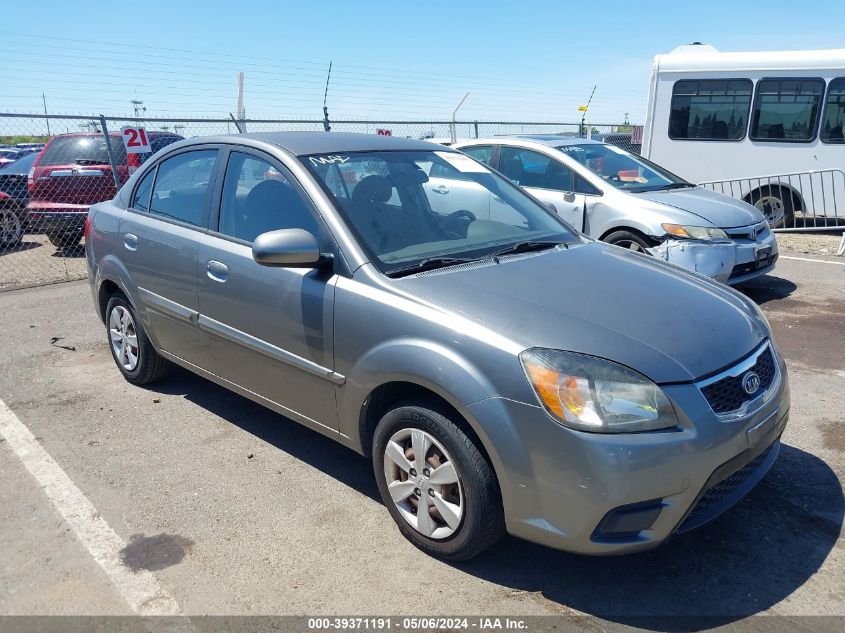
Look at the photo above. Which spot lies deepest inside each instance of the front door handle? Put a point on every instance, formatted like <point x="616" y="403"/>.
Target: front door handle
<point x="441" y="189"/>
<point x="130" y="241"/>
<point x="217" y="271"/>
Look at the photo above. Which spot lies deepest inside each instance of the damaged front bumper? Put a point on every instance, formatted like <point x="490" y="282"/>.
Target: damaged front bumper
<point x="728" y="261"/>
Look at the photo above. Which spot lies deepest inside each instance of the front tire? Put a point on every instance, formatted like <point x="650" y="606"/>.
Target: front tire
<point x="131" y="349"/>
<point x="448" y="501"/>
<point x="630" y="240"/>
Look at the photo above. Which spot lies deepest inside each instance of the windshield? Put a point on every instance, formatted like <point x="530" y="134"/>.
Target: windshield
<point x="432" y="207"/>
<point x="622" y="169"/>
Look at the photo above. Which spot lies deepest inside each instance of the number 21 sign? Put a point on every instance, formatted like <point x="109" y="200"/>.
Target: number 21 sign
<point x="135" y="140"/>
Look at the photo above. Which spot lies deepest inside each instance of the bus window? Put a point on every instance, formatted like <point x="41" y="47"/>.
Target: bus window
<point x="710" y="109"/>
<point x="786" y="110"/>
<point x="834" y="112"/>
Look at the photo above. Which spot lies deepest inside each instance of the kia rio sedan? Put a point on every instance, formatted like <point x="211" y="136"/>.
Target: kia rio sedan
<point x="624" y="199"/>
<point x="500" y="369"/>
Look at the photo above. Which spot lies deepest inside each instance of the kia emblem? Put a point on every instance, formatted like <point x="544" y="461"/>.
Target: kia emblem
<point x="750" y="383"/>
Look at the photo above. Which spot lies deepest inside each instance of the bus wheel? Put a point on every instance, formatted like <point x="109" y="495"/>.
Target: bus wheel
<point x="777" y="204"/>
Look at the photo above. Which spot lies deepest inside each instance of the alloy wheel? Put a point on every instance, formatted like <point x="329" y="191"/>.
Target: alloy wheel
<point x="10" y="227"/>
<point x="124" y="337"/>
<point x="423" y="483"/>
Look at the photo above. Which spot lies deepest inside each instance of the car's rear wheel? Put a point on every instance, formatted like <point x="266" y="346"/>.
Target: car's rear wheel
<point x="436" y="483"/>
<point x="133" y="353"/>
<point x="65" y="240"/>
<point x="11" y="229"/>
<point x="630" y="240"/>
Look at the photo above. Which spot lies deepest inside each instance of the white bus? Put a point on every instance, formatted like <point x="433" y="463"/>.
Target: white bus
<point x="766" y="127"/>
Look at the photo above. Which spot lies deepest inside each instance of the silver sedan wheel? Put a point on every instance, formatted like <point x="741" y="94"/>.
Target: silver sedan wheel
<point x="10" y="227"/>
<point x="631" y="245"/>
<point x="423" y="483"/>
<point x="124" y="338"/>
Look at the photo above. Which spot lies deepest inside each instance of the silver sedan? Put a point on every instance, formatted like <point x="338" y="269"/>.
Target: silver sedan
<point x="623" y="199"/>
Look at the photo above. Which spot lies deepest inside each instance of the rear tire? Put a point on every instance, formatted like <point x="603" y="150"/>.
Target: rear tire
<point x="11" y="228"/>
<point x="631" y="240"/>
<point x="776" y="203"/>
<point x="463" y="502"/>
<point x="130" y="347"/>
<point x="65" y="240"/>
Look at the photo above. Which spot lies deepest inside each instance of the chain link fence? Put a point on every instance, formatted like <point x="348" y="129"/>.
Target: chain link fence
<point x="54" y="167"/>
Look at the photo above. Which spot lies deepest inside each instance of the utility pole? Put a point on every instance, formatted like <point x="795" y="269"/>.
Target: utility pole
<point x="326" y="125"/>
<point x="241" y="109"/>
<point x="138" y="106"/>
<point x="584" y="110"/>
<point x="454" y="114"/>
<point x="44" y="100"/>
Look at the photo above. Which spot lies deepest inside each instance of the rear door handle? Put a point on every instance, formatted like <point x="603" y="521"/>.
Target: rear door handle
<point x="217" y="271"/>
<point x="130" y="241"/>
<point x="441" y="189"/>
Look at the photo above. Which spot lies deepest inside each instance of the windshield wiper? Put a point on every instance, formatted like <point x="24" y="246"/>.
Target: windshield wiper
<point x="526" y="247"/>
<point x="674" y="185"/>
<point x="429" y="263"/>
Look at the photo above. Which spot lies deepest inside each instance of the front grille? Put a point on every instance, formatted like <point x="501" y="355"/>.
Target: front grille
<point x="760" y="232"/>
<point x="722" y="492"/>
<point x="727" y="394"/>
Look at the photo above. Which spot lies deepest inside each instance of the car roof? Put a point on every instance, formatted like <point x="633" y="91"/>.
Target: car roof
<point x="303" y="143"/>
<point x="554" y="140"/>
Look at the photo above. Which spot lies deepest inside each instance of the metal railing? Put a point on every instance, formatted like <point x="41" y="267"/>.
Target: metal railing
<point x="812" y="200"/>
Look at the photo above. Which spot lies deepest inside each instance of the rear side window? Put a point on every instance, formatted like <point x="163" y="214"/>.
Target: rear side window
<point x="710" y="109"/>
<point x="834" y="113"/>
<point x="786" y="110"/>
<point x="82" y="150"/>
<point x="182" y="186"/>
<point x="257" y="198"/>
<point x="533" y="169"/>
<point x="483" y="153"/>
<point x="141" y="199"/>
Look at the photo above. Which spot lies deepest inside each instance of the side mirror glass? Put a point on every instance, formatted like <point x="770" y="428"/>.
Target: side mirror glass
<point x="292" y="248"/>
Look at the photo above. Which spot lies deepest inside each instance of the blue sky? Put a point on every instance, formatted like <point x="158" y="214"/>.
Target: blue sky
<point x="528" y="60"/>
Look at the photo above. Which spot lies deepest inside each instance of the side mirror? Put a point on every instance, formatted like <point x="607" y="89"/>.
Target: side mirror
<point x="291" y="248"/>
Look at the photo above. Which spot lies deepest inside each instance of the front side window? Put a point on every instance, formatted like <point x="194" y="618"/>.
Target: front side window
<point x="710" y="109"/>
<point x="834" y="113"/>
<point x="141" y="198"/>
<point x="182" y="186"/>
<point x="786" y="110"/>
<point x="622" y="169"/>
<point x="257" y="198"/>
<point x="389" y="204"/>
<point x="528" y="168"/>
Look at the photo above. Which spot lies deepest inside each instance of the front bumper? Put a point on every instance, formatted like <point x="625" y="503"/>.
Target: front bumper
<point x="730" y="261"/>
<point x="559" y="486"/>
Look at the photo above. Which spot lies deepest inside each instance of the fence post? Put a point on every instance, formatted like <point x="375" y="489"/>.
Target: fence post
<point x="475" y="125"/>
<point x="114" y="171"/>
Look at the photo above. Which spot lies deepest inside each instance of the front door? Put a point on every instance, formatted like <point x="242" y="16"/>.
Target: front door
<point x="547" y="179"/>
<point x="268" y="330"/>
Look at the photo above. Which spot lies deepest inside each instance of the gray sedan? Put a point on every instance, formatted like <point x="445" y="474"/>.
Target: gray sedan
<point x="500" y="369"/>
<point x="624" y="199"/>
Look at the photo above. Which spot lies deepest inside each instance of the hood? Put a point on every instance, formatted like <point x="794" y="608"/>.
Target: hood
<point x="666" y="322"/>
<point x="718" y="209"/>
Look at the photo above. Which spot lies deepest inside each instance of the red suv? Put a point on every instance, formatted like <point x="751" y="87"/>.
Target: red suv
<point x="73" y="172"/>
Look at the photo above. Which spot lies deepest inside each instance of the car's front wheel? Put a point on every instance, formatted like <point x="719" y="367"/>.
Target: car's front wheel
<point x="436" y="483"/>
<point x="631" y="240"/>
<point x="134" y="354"/>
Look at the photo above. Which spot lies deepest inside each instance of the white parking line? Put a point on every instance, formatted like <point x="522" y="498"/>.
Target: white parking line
<point x="140" y="590"/>
<point x="810" y="259"/>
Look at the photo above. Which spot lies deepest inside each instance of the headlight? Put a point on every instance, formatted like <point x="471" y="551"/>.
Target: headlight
<point x="695" y="232"/>
<point x="592" y="394"/>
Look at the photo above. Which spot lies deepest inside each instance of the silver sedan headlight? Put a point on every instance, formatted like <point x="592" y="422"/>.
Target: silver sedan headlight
<point x="592" y="394"/>
<point x="695" y="232"/>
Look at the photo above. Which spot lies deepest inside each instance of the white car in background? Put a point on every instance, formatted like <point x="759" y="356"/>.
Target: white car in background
<point x="626" y="200"/>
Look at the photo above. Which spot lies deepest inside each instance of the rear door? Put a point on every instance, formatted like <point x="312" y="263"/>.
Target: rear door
<point x="168" y="212"/>
<point x="267" y="329"/>
<point x="450" y="191"/>
<point x="75" y="170"/>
